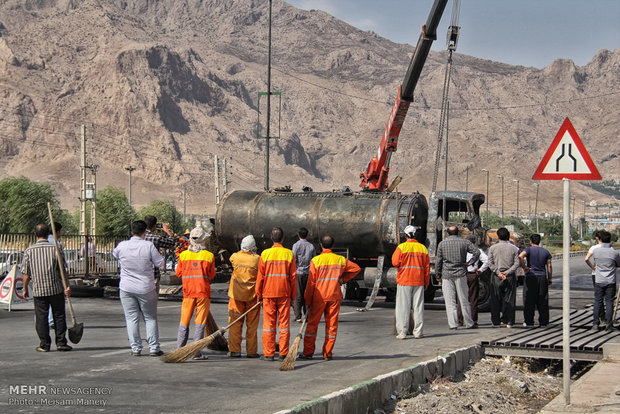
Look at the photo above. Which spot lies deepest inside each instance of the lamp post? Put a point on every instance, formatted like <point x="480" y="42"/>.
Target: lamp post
<point x="517" y="181"/>
<point x="487" y="197"/>
<point x="536" y="207"/>
<point x="501" y="177"/>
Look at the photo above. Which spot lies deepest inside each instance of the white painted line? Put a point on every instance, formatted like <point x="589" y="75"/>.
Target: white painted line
<point x="124" y="351"/>
<point x="169" y="306"/>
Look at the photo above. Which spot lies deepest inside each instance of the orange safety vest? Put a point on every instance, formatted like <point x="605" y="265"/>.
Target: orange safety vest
<point x="411" y="259"/>
<point x="276" y="273"/>
<point x="243" y="280"/>
<point x="196" y="270"/>
<point x="325" y="271"/>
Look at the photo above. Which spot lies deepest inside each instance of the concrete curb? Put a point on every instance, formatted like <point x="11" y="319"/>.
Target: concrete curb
<point x="369" y="395"/>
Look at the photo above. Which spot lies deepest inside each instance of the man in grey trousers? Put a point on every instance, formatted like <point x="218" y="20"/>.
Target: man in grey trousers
<point x="451" y="271"/>
<point x="504" y="262"/>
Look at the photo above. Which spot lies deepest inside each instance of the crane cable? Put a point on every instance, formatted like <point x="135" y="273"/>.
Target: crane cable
<point x="453" y="33"/>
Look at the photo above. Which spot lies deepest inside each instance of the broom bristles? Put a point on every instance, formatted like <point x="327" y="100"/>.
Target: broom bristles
<point x="189" y="350"/>
<point x="219" y="343"/>
<point x="289" y="361"/>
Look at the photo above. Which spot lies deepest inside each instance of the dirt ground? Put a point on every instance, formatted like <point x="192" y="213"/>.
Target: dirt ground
<point x="493" y="385"/>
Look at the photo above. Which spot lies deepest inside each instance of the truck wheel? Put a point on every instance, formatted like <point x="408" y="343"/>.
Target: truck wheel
<point x="484" y="292"/>
<point x="429" y="294"/>
<point x="355" y="292"/>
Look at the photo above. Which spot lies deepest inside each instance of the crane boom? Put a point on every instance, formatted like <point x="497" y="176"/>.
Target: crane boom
<point x="376" y="175"/>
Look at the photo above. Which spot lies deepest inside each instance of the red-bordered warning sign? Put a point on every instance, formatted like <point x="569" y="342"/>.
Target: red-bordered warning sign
<point x="567" y="157"/>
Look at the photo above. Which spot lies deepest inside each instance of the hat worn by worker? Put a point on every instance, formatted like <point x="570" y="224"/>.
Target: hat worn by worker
<point x="186" y="233"/>
<point x="197" y="238"/>
<point x="248" y="244"/>
<point x="410" y="230"/>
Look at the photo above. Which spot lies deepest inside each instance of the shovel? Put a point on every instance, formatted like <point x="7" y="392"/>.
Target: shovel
<point x="74" y="333"/>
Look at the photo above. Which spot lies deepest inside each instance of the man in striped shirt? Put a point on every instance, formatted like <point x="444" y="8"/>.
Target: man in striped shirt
<point x="40" y="264"/>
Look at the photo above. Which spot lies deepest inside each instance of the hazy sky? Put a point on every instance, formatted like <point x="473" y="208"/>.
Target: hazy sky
<point x="519" y="32"/>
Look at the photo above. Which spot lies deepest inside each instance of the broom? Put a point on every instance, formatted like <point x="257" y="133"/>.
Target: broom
<point x="189" y="350"/>
<point x="219" y="343"/>
<point x="288" y="364"/>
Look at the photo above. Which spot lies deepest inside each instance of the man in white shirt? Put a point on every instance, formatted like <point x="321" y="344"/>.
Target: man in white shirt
<point x="137" y="287"/>
<point x="587" y="258"/>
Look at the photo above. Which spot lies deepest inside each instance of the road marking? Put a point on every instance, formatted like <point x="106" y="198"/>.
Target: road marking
<point x="124" y="351"/>
<point x="169" y="306"/>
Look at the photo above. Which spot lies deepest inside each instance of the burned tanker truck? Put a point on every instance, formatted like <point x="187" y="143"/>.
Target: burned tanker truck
<point x="366" y="225"/>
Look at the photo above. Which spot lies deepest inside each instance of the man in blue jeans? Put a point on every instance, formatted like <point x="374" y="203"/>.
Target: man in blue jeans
<point x="137" y="287"/>
<point x="538" y="273"/>
<point x="606" y="262"/>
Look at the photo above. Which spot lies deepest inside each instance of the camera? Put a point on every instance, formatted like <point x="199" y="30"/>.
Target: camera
<point x="159" y="226"/>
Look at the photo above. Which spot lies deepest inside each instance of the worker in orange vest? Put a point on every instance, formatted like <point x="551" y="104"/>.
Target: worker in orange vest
<point x="242" y="294"/>
<point x="328" y="272"/>
<point x="196" y="269"/>
<point x="413" y="263"/>
<point x="276" y="286"/>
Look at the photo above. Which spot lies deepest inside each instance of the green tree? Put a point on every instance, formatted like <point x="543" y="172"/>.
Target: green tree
<point x="166" y="212"/>
<point x="113" y="212"/>
<point x="23" y="205"/>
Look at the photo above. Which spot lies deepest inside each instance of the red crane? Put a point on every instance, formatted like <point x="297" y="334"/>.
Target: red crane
<point x="375" y="178"/>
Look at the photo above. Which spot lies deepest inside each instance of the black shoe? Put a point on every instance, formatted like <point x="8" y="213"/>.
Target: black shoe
<point x="157" y="353"/>
<point x="327" y="358"/>
<point x="252" y="355"/>
<point x="302" y="356"/>
<point x="64" y="348"/>
<point x="595" y="328"/>
<point x="281" y="357"/>
<point x="609" y="328"/>
<point x="135" y="353"/>
<point x="41" y="349"/>
<point x="234" y="354"/>
<point x="266" y="358"/>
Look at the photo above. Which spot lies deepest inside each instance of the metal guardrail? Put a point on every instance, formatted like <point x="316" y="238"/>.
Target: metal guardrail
<point x="82" y="258"/>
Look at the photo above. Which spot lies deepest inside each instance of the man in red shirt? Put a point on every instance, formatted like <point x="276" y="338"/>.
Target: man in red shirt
<point x="328" y="272"/>
<point x="411" y="259"/>
<point x="276" y="287"/>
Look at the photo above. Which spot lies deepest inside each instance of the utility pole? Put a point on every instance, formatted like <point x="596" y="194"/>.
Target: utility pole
<point x="536" y="207"/>
<point x="268" y="107"/>
<point x="217" y="179"/>
<point x="130" y="169"/>
<point x="517" y="181"/>
<point x="93" y="202"/>
<point x="502" y="179"/>
<point x="467" y="178"/>
<point x="83" y="183"/>
<point x="225" y="176"/>
<point x="184" y="202"/>
<point x="487" y="197"/>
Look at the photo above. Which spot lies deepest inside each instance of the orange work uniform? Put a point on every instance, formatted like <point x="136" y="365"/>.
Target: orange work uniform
<point x="411" y="259"/>
<point x="328" y="271"/>
<point x="196" y="270"/>
<point x="276" y="286"/>
<point x="242" y="294"/>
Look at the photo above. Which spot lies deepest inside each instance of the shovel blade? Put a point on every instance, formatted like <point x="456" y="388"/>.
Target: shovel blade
<point x="75" y="333"/>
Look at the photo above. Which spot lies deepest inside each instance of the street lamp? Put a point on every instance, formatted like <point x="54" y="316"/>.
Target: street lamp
<point x="502" y="179"/>
<point x="487" y="198"/>
<point x="517" y="181"/>
<point x="536" y="207"/>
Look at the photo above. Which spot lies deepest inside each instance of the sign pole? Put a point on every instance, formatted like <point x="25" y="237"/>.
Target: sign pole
<point x="566" y="292"/>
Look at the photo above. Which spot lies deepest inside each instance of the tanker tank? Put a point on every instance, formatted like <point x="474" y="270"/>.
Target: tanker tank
<point x="362" y="223"/>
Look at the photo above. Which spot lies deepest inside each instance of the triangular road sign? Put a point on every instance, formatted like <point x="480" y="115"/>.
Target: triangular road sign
<point x="567" y="157"/>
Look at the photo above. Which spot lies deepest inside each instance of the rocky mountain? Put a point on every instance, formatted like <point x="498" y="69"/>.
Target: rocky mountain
<point x="164" y="85"/>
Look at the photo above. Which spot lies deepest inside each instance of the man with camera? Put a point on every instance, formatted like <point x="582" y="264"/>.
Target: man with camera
<point x="167" y="241"/>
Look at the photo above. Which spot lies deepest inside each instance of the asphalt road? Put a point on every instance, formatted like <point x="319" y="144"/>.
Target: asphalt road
<point x="117" y="382"/>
